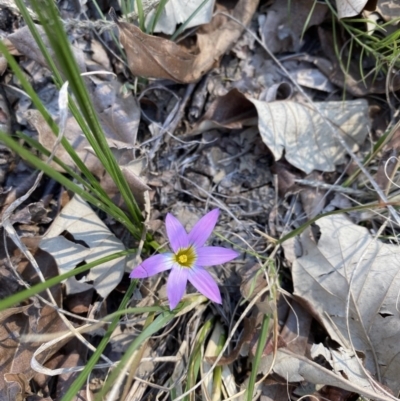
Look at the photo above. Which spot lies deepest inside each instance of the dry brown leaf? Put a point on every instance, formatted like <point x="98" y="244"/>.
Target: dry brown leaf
<point x="216" y="38"/>
<point x="297" y="368"/>
<point x="347" y="253"/>
<point x="232" y="111"/>
<point x="253" y="280"/>
<point x="25" y="43"/>
<point x="313" y="198"/>
<point x="74" y="354"/>
<point x="17" y="386"/>
<point x="151" y="56"/>
<point x="18" y="323"/>
<point x="156" y="57"/>
<point x="119" y="113"/>
<point x="122" y="124"/>
<point x="304" y="134"/>
<point x="287" y="174"/>
<point x="75" y="137"/>
<point x="137" y="184"/>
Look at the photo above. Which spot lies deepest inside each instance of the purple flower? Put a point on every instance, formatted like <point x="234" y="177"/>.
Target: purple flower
<point x="188" y="259"/>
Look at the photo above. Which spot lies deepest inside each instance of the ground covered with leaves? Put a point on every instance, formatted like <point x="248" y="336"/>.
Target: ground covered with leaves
<point x="282" y="115"/>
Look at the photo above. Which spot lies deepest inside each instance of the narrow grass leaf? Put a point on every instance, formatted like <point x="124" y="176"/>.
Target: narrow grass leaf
<point x="262" y="340"/>
<point x="115" y="212"/>
<point x="160" y="322"/>
<point x="81" y="379"/>
<point x="186" y="23"/>
<point x="49" y="17"/>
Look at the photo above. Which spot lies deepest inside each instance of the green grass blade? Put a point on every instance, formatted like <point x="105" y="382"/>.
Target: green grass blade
<point x="156" y="16"/>
<point x="81" y="379"/>
<point x="160" y="322"/>
<point x="38" y="288"/>
<point x="38" y="104"/>
<point x="115" y="212"/>
<point x="262" y="340"/>
<point x="300" y="229"/>
<point x="49" y="17"/>
<point x="186" y="23"/>
<point x="196" y="357"/>
<point x="141" y="16"/>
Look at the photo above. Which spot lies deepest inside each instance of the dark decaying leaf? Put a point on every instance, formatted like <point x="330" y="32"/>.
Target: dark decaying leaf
<point x="232" y="111"/>
<point x="281" y="31"/>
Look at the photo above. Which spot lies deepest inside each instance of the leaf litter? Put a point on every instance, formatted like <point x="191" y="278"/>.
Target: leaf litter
<point x="221" y="125"/>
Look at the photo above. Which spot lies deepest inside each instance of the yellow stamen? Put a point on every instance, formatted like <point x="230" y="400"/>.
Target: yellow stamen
<point x="182" y="258"/>
<point x="186" y="257"/>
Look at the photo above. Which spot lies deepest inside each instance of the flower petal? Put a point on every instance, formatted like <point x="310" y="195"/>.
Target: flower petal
<point x="205" y="284"/>
<point x="214" y="255"/>
<point x="177" y="235"/>
<point x="176" y="285"/>
<point x="203" y="228"/>
<point x="153" y="265"/>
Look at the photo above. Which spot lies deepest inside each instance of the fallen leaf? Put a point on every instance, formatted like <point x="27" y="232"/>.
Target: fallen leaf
<point x="177" y="12"/>
<point x="132" y="172"/>
<point x="350" y="8"/>
<point x="155" y="57"/>
<point x="80" y="221"/>
<point x="295" y="368"/>
<point x="217" y="37"/>
<point x="75" y="354"/>
<point x="313" y="199"/>
<point x="312" y="78"/>
<point x="347" y="253"/>
<point x="284" y="23"/>
<point x="119" y="113"/>
<point x="25" y="43"/>
<point x="389" y="10"/>
<point x="151" y="56"/>
<point x="20" y="322"/>
<point x="232" y="111"/>
<point x="73" y="134"/>
<point x="121" y="128"/>
<point x="17" y="386"/>
<point x="304" y="136"/>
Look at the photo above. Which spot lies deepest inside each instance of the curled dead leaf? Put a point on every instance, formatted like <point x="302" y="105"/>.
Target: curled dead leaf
<point x="151" y="56"/>
<point x="232" y="111"/>
<point x="156" y="57"/>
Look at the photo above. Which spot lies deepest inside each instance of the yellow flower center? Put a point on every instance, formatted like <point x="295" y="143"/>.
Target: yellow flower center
<point x="185" y="257"/>
<point x="182" y="258"/>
